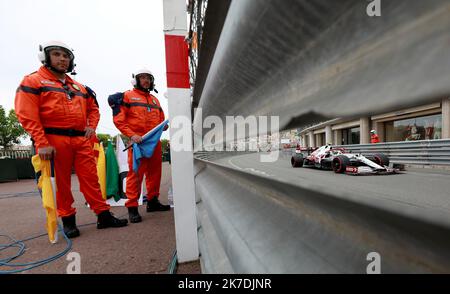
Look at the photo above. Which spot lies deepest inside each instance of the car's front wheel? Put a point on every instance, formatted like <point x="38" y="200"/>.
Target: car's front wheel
<point x="340" y="164"/>
<point x="297" y="160"/>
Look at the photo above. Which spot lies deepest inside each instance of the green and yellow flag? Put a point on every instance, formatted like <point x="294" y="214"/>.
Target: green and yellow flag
<point x="112" y="173"/>
<point x="101" y="166"/>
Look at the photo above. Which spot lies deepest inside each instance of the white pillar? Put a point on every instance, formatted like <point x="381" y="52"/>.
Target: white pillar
<point x="328" y="135"/>
<point x="312" y="141"/>
<point x="446" y="118"/>
<point x="175" y="29"/>
<point x="303" y="141"/>
<point x="364" y="130"/>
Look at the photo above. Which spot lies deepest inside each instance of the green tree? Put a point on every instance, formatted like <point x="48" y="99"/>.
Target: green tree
<point x="164" y="144"/>
<point x="104" y="138"/>
<point x="10" y="129"/>
<point x="125" y="139"/>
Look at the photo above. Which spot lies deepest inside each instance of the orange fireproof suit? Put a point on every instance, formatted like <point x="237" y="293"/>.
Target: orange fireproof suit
<point x="139" y="113"/>
<point x="374" y="138"/>
<point x="55" y="114"/>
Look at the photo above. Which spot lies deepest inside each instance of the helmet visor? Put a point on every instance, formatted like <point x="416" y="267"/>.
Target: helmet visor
<point x="50" y="48"/>
<point x="152" y="79"/>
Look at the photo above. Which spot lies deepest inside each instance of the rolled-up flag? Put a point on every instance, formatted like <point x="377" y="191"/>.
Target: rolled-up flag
<point x="148" y="144"/>
<point x="45" y="176"/>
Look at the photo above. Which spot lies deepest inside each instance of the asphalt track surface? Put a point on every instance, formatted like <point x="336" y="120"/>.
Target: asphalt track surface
<point x="427" y="191"/>
<point x="143" y="248"/>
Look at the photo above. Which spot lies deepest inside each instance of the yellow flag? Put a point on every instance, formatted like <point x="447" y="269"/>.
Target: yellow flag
<point x="48" y="192"/>
<point x="101" y="167"/>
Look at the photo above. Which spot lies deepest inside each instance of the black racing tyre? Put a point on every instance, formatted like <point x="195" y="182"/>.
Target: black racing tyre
<point x="297" y="160"/>
<point x="381" y="159"/>
<point x="340" y="164"/>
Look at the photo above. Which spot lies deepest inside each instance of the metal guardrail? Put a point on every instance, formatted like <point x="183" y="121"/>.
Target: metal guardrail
<point x="250" y="223"/>
<point x="426" y="152"/>
<point x="212" y="156"/>
<point x="306" y="62"/>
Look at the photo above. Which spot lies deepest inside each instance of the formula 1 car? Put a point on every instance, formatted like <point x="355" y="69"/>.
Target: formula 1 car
<point x="340" y="161"/>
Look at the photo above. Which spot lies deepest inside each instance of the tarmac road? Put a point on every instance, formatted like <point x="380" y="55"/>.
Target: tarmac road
<point x="145" y="248"/>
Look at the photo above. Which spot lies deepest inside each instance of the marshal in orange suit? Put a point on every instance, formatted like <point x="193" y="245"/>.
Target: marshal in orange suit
<point x="61" y="116"/>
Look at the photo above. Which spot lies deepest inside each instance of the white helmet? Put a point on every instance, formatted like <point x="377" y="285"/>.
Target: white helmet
<point x="373" y="131"/>
<point x="135" y="81"/>
<point x="44" y="50"/>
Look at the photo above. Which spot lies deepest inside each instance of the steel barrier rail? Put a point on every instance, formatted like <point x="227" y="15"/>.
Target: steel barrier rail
<point x="424" y="152"/>
<point x="212" y="156"/>
<point x="214" y="19"/>
<point x="308" y="61"/>
<point x="249" y="223"/>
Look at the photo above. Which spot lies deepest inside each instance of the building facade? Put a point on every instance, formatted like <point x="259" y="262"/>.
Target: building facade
<point x="426" y="122"/>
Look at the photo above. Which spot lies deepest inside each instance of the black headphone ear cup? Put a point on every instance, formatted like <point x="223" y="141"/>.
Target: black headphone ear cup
<point x="71" y="66"/>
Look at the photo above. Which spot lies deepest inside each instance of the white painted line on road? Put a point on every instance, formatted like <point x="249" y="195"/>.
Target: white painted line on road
<point x="233" y="165"/>
<point x="250" y="169"/>
<point x="258" y="171"/>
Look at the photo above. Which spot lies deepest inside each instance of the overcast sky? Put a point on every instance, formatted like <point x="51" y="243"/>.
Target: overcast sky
<point x="110" y="39"/>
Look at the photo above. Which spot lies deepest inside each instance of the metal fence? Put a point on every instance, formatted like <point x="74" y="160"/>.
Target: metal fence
<point x="426" y="152"/>
<point x="21" y="153"/>
<point x="15" y="165"/>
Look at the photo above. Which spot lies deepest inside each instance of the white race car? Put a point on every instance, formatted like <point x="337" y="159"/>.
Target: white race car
<point x="340" y="161"/>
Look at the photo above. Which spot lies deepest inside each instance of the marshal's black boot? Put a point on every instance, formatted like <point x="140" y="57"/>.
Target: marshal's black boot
<point x="70" y="227"/>
<point x="155" y="205"/>
<point x="133" y="215"/>
<point x="106" y="220"/>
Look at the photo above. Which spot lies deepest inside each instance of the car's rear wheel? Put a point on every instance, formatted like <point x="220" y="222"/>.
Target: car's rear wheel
<point x="340" y="164"/>
<point x="297" y="160"/>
